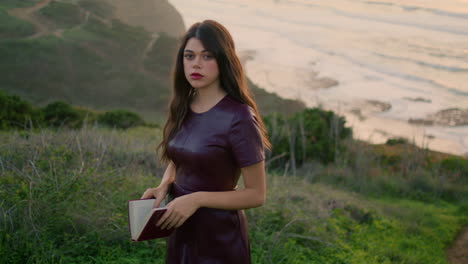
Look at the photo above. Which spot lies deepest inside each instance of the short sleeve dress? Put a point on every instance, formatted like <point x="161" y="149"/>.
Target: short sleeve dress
<point x="208" y="150"/>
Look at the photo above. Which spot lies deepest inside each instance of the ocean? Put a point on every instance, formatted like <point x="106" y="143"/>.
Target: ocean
<point x="393" y="68"/>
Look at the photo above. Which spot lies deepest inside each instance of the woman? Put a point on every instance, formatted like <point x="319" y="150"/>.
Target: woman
<point x="213" y="134"/>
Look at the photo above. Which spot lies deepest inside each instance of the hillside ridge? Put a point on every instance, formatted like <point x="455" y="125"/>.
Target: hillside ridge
<point x="80" y="53"/>
<point x="152" y="15"/>
<point x="27" y="14"/>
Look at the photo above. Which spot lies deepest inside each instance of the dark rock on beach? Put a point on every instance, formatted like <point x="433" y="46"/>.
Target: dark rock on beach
<point x="445" y="117"/>
<point x="418" y="99"/>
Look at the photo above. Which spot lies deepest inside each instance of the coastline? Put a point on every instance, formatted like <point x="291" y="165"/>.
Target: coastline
<point x="389" y="72"/>
<point x="367" y="117"/>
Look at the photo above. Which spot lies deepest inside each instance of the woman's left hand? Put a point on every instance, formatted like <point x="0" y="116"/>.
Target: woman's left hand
<point x="178" y="211"/>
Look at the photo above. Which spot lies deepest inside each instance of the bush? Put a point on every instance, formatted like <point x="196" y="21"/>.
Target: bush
<point x="61" y="114"/>
<point x="392" y="161"/>
<point x="396" y="141"/>
<point x="455" y="165"/>
<point x="17" y="113"/>
<point x="312" y="134"/>
<point x="120" y="119"/>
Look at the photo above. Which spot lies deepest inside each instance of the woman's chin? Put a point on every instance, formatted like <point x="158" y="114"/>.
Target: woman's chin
<point x="198" y="85"/>
<point x="202" y="84"/>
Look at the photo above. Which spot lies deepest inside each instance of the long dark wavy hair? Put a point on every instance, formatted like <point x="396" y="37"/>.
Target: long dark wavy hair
<point x="216" y="39"/>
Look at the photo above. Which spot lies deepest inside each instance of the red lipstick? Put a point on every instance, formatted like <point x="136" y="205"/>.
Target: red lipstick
<point x="196" y="76"/>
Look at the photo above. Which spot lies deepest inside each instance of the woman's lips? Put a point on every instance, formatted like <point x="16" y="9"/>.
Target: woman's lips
<point x="196" y="76"/>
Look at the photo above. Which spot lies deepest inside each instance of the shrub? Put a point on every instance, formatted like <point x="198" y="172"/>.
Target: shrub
<point x="323" y="134"/>
<point x="312" y="134"/>
<point x="455" y="165"/>
<point x="396" y="141"/>
<point x="17" y="113"/>
<point x="120" y="119"/>
<point x="61" y="114"/>
<point x="393" y="160"/>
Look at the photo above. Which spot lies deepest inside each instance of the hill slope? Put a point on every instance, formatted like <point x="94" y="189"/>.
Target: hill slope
<point x="152" y="15"/>
<point x="79" y="52"/>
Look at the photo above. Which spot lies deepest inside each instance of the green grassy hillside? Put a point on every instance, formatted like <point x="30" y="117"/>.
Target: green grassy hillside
<point x="94" y="61"/>
<point x="63" y="200"/>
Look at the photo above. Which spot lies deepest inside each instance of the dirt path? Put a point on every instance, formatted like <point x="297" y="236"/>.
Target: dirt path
<point x="27" y="14"/>
<point x="154" y="38"/>
<point x="43" y="29"/>
<point x="458" y="252"/>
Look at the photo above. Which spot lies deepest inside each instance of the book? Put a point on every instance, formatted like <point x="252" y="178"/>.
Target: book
<point x="142" y="219"/>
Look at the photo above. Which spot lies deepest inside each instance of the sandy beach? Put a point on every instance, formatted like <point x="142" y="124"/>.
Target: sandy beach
<point x="368" y="117"/>
<point x="392" y="68"/>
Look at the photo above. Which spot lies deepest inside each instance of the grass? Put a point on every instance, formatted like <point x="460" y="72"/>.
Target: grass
<point x="65" y="15"/>
<point x="7" y="4"/>
<point x="12" y="27"/>
<point x="98" y="7"/>
<point x="63" y="200"/>
<point x="329" y="225"/>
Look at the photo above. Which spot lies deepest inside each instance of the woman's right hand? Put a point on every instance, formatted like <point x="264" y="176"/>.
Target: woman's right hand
<point x="159" y="193"/>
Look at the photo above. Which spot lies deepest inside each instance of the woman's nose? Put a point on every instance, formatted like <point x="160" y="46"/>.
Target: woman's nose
<point x="196" y="62"/>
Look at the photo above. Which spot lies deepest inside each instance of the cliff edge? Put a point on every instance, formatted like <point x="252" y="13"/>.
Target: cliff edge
<point x="152" y="15"/>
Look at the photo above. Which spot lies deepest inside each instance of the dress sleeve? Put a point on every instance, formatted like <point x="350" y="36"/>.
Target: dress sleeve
<point x="245" y="138"/>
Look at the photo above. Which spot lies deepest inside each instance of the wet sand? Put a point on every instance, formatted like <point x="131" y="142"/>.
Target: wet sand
<point x="367" y="116"/>
<point x="390" y="70"/>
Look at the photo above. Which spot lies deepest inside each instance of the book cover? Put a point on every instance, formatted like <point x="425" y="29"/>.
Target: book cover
<point x="142" y="219"/>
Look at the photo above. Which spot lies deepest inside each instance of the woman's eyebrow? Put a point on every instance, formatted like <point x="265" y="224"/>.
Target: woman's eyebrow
<point x="203" y="51"/>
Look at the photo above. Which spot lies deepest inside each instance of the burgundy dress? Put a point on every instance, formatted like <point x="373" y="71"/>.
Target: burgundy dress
<point x="208" y="150"/>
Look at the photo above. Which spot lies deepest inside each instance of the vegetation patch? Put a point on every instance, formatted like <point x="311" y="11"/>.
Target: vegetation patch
<point x="64" y="15"/>
<point x="7" y="4"/>
<point x="162" y="55"/>
<point x="64" y="195"/>
<point x="312" y="134"/>
<point x="97" y="7"/>
<point x="12" y="27"/>
<point x="97" y="63"/>
<point x="120" y="119"/>
<point x="20" y="114"/>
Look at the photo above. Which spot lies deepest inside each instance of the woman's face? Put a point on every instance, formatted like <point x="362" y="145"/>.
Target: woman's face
<point x="200" y="66"/>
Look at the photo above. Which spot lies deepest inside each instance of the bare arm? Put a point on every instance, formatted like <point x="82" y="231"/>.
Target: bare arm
<point x="253" y="195"/>
<point x="169" y="174"/>
<point x="160" y="192"/>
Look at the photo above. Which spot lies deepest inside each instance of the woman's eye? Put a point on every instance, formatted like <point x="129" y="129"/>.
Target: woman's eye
<point x="188" y="56"/>
<point x="207" y="57"/>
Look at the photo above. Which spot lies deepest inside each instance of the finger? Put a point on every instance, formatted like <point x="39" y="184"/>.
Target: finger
<point x="173" y="223"/>
<point x="180" y="222"/>
<point x="166" y="215"/>
<point x="174" y="220"/>
<point x="147" y="194"/>
<point x="170" y="221"/>
<point x="158" y="200"/>
<point x="163" y="218"/>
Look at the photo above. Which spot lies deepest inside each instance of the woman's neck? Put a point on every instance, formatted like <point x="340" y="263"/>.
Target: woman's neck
<point x="205" y="99"/>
